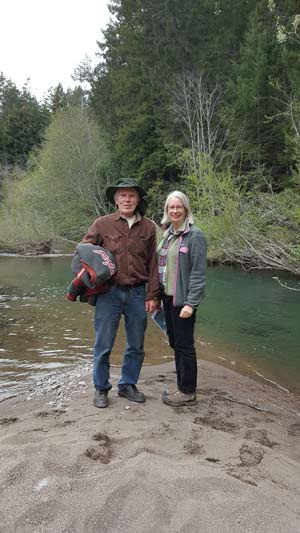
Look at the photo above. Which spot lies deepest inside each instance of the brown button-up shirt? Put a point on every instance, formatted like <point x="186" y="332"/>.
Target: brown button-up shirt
<point x="134" y="249"/>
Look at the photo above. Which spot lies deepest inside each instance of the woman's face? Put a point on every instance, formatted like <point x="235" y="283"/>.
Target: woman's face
<point x="176" y="212"/>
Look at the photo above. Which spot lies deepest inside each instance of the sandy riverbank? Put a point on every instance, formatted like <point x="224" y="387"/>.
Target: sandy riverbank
<point x="229" y="464"/>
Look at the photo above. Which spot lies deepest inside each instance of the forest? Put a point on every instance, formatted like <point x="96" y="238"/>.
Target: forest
<point x="201" y="96"/>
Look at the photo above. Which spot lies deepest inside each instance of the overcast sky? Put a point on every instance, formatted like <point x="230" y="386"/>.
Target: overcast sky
<point x="45" y="40"/>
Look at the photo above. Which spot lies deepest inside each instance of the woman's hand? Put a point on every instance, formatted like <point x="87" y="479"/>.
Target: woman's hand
<point x="186" y="311"/>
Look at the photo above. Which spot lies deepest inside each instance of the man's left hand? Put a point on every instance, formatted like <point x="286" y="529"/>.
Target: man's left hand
<point x="150" y="305"/>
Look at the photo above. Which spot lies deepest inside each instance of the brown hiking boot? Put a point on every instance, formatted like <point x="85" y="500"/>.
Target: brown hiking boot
<point x="178" y="398"/>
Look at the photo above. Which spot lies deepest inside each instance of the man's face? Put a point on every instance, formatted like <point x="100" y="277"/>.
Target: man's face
<point x="127" y="201"/>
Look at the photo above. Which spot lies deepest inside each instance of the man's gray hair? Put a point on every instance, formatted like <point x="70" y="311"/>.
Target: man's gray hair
<point x="184" y="199"/>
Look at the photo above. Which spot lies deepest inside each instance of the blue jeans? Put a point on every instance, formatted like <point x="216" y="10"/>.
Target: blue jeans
<point x="131" y="303"/>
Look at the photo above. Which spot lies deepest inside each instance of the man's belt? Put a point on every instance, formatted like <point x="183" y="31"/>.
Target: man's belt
<point x="133" y="286"/>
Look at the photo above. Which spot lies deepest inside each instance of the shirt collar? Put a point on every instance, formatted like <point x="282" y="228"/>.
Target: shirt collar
<point x="182" y="228"/>
<point x="117" y="216"/>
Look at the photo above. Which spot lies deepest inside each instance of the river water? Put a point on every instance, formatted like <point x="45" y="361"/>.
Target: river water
<point x="247" y="322"/>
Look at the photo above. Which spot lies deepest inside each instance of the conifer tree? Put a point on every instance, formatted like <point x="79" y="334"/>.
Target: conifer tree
<point x="22" y="123"/>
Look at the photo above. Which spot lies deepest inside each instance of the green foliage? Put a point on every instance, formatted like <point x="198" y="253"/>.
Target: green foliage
<point x="295" y="252"/>
<point x="150" y="44"/>
<point x="232" y="142"/>
<point x="250" y="91"/>
<point x="20" y="219"/>
<point x="65" y="191"/>
<point x="156" y="199"/>
<point x="215" y="198"/>
<point x="146" y="46"/>
<point x="22" y="123"/>
<point x="263" y="80"/>
<point x="58" y="99"/>
<point x="254" y="229"/>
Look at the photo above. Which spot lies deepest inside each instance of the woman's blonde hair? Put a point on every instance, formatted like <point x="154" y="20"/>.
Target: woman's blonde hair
<point x="184" y="199"/>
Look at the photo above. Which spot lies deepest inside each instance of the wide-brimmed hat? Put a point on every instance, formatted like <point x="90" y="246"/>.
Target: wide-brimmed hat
<point x="128" y="183"/>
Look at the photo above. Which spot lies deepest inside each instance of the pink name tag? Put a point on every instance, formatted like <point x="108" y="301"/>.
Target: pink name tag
<point x="184" y="249"/>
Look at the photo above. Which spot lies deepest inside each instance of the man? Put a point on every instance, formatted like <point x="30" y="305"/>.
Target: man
<point x="132" y="240"/>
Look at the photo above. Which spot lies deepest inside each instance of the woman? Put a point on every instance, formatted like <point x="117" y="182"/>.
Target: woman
<point x="182" y="267"/>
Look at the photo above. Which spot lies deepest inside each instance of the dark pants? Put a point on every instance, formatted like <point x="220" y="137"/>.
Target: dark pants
<point x="181" y="338"/>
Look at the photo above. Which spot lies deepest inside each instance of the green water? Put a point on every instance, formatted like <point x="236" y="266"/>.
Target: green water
<point x="255" y="322"/>
<point x="247" y="322"/>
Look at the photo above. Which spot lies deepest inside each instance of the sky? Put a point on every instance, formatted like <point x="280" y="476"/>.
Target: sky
<point x="45" y="40"/>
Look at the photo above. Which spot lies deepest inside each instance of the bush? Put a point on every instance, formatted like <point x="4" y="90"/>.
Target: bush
<point x="65" y="190"/>
<point x="257" y="230"/>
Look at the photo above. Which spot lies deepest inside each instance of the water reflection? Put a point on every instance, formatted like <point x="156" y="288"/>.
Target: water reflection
<point x="247" y="322"/>
<point x="40" y="330"/>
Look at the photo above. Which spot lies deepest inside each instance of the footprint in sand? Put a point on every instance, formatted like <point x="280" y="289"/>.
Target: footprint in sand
<point x="241" y="476"/>
<point x="102" y="451"/>
<point x="216" y="423"/>
<point x="251" y="455"/>
<point x="294" y="429"/>
<point x="261" y="437"/>
<point x="10" y="420"/>
<point x="192" y="446"/>
<point x="54" y="412"/>
<point x="64" y="423"/>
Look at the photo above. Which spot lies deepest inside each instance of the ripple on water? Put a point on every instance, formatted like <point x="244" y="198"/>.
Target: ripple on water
<point x="34" y="366"/>
<point x="51" y="352"/>
<point x="81" y="346"/>
<point x="4" y="362"/>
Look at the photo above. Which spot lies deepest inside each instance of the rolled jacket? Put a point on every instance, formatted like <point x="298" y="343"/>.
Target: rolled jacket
<point x="93" y="267"/>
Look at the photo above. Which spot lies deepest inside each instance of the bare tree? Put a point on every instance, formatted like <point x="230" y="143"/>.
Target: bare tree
<point x="196" y="108"/>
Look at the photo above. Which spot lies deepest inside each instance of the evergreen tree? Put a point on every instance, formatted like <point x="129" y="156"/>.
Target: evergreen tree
<point x="22" y="123"/>
<point x="58" y="99"/>
<point x="147" y="46"/>
<point x="257" y="92"/>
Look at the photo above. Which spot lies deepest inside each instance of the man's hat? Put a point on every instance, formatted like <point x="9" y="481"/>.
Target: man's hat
<point x="128" y="183"/>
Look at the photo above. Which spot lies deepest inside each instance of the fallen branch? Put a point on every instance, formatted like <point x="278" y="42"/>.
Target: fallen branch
<point x="261" y="255"/>
<point x="285" y="285"/>
<point x="250" y="404"/>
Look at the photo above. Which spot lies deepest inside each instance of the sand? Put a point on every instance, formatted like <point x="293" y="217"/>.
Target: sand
<point x="229" y="464"/>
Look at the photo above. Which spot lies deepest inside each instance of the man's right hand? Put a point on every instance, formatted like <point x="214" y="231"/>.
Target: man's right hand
<point x="151" y="305"/>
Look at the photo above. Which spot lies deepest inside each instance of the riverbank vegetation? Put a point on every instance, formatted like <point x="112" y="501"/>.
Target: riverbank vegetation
<point x="203" y="97"/>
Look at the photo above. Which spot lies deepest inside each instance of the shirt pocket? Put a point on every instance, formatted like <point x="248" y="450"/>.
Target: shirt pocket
<point x="141" y="245"/>
<point x="113" y="244"/>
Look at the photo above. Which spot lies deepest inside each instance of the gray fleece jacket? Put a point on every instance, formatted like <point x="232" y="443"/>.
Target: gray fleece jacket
<point x="190" y="275"/>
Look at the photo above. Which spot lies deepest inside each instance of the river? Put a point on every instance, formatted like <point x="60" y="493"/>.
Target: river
<point x="247" y="322"/>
